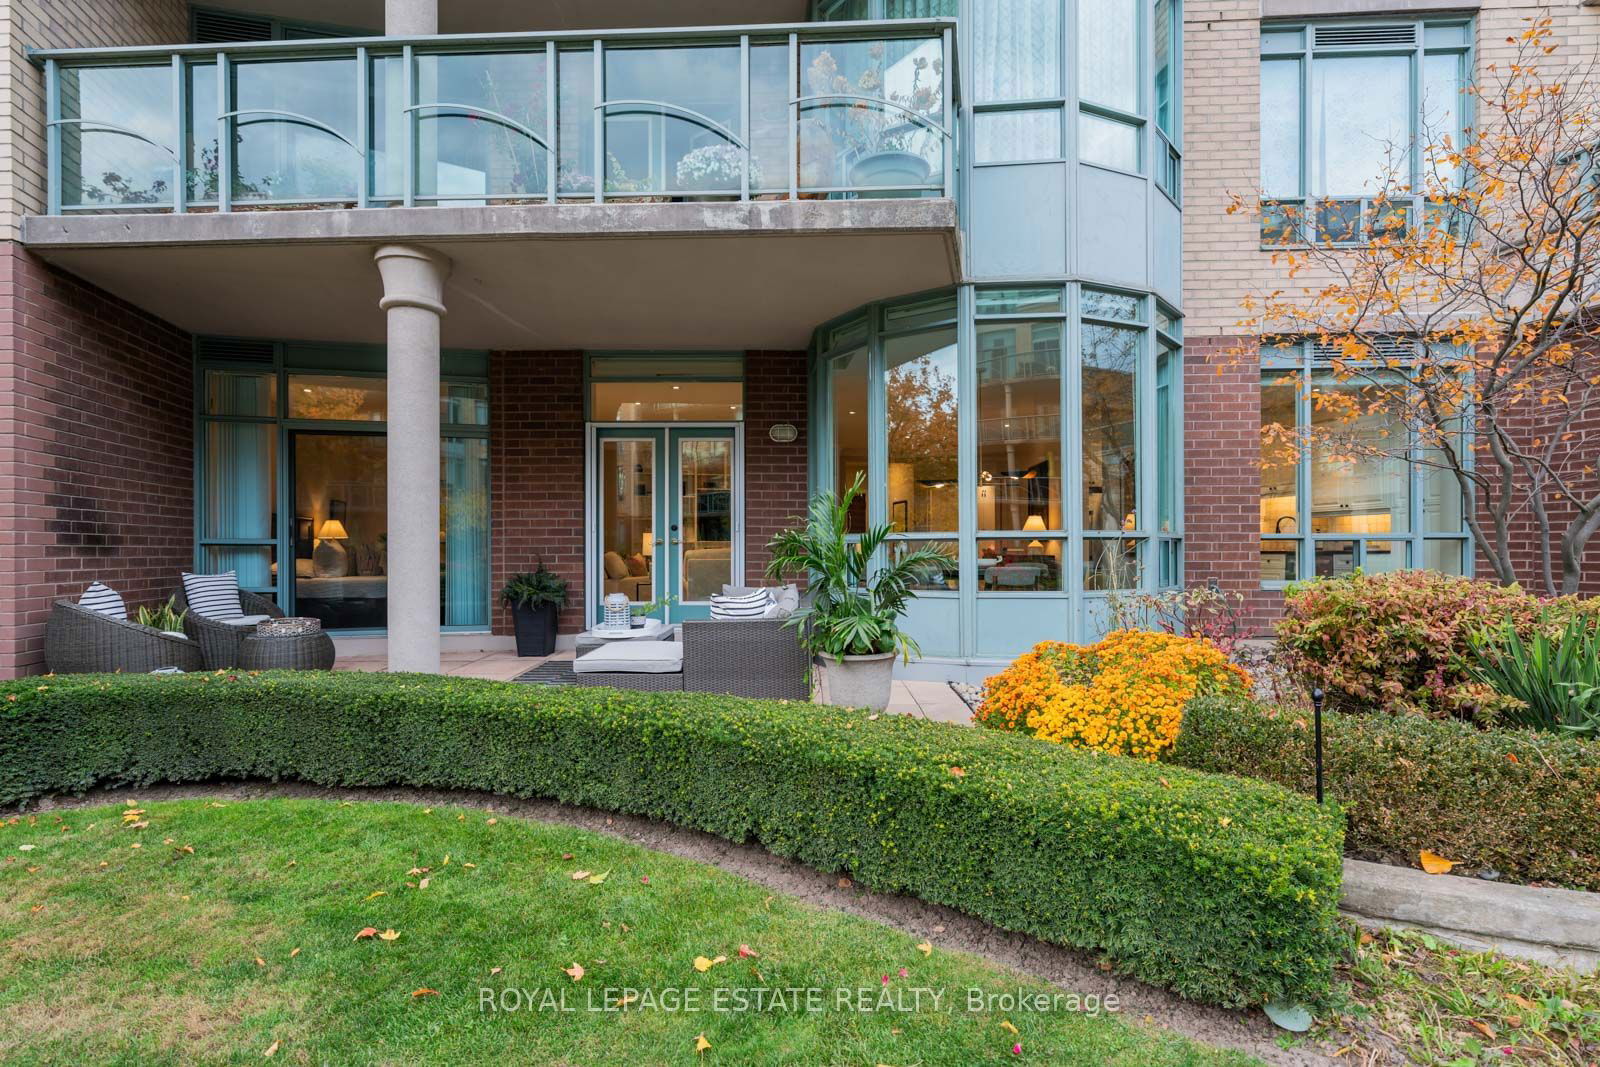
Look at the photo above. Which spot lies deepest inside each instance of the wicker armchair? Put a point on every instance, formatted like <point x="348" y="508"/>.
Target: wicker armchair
<point x="745" y="658"/>
<point x="80" y="641"/>
<point x="219" y="641"/>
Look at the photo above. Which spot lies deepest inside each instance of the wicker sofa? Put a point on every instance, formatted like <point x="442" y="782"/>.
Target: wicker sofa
<point x="80" y="641"/>
<point x="220" y="642"/>
<point x="742" y="657"/>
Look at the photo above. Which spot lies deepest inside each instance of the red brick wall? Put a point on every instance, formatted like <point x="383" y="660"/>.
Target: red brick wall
<point x="96" y="451"/>
<point x="1222" y="474"/>
<point x="775" y="477"/>
<point x="536" y="442"/>
<point x="536" y="472"/>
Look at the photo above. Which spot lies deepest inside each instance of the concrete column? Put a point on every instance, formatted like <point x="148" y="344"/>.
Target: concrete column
<point x="410" y="18"/>
<point x="413" y="299"/>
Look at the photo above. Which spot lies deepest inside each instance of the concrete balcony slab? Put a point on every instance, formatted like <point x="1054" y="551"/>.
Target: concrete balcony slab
<point x="755" y="274"/>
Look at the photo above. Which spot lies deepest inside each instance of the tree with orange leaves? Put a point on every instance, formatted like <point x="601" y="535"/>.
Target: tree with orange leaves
<point x="1465" y="309"/>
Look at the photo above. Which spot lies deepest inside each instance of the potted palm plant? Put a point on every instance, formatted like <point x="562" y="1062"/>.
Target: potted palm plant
<point x="535" y="598"/>
<point x="853" y="621"/>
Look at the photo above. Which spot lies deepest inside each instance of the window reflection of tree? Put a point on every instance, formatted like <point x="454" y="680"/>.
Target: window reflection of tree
<point x="923" y="426"/>
<point x="1110" y="367"/>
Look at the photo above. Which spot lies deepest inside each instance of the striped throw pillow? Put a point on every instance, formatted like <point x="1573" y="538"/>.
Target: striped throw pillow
<point x="105" y="600"/>
<point x="751" y="605"/>
<point x="216" y="596"/>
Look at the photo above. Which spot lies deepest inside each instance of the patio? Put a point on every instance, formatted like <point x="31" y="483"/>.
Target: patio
<point x="929" y="700"/>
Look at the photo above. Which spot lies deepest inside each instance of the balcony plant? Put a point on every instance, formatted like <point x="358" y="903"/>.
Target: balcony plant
<point x="853" y="622"/>
<point x="535" y="598"/>
<point x="885" y="133"/>
<point x="715" y="167"/>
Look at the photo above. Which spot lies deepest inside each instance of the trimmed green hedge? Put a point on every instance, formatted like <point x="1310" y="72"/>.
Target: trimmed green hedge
<point x="1525" y="803"/>
<point x="1222" y="889"/>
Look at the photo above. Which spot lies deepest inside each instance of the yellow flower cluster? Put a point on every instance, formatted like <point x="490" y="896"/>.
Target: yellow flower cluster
<point x="1124" y="694"/>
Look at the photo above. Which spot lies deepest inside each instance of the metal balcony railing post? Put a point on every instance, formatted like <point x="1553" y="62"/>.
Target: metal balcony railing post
<point x="52" y="96"/>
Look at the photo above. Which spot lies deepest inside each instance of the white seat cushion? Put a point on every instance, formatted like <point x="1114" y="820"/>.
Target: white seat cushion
<point x="632" y="657"/>
<point x="245" y="620"/>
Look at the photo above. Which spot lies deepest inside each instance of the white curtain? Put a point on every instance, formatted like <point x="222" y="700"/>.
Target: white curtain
<point x="1016" y="49"/>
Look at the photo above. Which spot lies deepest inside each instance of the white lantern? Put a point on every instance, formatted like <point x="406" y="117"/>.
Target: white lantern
<point x="619" y="612"/>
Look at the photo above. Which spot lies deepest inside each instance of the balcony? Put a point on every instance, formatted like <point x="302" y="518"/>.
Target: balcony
<point x="833" y="133"/>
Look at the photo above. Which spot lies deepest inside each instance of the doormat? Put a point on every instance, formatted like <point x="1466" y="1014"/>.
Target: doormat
<point x="556" y="672"/>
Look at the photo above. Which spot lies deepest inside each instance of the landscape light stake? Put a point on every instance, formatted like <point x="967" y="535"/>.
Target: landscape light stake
<point x="1316" y="718"/>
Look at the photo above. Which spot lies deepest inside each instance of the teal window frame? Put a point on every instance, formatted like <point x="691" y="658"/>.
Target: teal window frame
<point x="1293" y="216"/>
<point x="1081" y="612"/>
<point x="280" y="359"/>
<point x="1301" y="360"/>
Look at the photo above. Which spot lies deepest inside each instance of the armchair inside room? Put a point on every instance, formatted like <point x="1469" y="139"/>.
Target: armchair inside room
<point x="620" y="578"/>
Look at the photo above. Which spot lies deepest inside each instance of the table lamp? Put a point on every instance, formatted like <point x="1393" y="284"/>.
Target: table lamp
<point x="1035" y="524"/>
<point x="329" y="559"/>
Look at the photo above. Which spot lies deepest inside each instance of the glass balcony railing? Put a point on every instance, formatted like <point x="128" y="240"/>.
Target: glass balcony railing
<point x="811" y="111"/>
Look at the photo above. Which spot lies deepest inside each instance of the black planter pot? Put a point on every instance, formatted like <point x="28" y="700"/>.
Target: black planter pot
<point x="535" y="629"/>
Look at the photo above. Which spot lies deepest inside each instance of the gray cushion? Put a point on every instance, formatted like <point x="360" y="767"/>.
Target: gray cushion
<point x="785" y="602"/>
<point x="632" y="657"/>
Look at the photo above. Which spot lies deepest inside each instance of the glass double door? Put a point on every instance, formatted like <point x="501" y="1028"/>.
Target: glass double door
<point x="668" y="515"/>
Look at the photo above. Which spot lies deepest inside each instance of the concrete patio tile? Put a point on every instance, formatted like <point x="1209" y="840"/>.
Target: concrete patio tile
<point x="939" y="702"/>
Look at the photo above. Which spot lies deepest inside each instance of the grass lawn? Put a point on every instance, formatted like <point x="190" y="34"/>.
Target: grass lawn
<point x="197" y="930"/>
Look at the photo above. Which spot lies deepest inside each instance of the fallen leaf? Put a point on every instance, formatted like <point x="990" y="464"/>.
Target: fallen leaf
<point x="701" y="1044"/>
<point x="1005" y="1024"/>
<point x="767" y="904"/>
<point x="427" y="811"/>
<point x="576" y="970"/>
<point x="379" y="893"/>
<point x="958" y="772"/>
<point x="366" y="931"/>
<point x="293" y="954"/>
<point x="26" y="848"/>
<point x="1224" y="821"/>
<point x="1483" y="1028"/>
<point x="747" y="953"/>
<point x="272" y="1050"/>
<point x="566" y="855"/>
<point x="490" y="822"/>
<point x="628" y="998"/>
<point x="424" y="992"/>
<point x="925" y="948"/>
<point x="260" y="962"/>
<point x="136" y="845"/>
<point x="1512" y="756"/>
<point x="1434" y="863"/>
<point x="626" y="928"/>
<point x="446" y="862"/>
<point x="578" y="876"/>
<point x="1164" y="783"/>
<point x="389" y="935"/>
<point x="1522" y="1002"/>
<point x="702" y="964"/>
<point x="596" y="879"/>
<point x="495" y="970"/>
<point x="844" y="883"/>
<point x="939" y="929"/>
<point x="470" y="866"/>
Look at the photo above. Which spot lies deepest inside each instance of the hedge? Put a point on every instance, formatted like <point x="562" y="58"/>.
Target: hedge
<point x="1220" y="889"/>
<point x="1522" y="802"/>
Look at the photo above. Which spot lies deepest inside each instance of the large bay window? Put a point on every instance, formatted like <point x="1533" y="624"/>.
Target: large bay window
<point x="1353" y="120"/>
<point x="1344" y="484"/>
<point x="1061" y="434"/>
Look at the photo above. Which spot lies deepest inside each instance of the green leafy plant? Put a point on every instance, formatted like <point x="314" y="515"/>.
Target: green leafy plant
<point x="1401" y="642"/>
<point x="1554" y="679"/>
<point x="1223" y="889"/>
<point x="855" y="608"/>
<point x="1520" y="801"/>
<point x="654" y="606"/>
<point x="165" y="617"/>
<point x="535" y="589"/>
